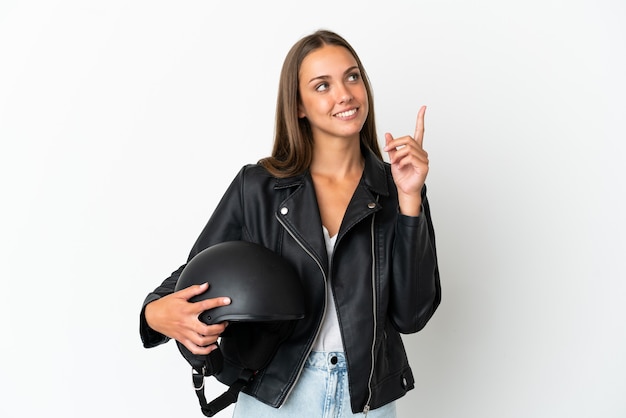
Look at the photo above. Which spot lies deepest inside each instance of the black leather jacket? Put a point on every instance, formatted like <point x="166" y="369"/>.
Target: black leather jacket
<point x="384" y="275"/>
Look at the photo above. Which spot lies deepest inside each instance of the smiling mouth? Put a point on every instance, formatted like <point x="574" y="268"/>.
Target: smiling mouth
<point x="346" y="114"/>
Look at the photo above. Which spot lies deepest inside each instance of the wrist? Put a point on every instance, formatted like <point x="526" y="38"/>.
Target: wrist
<point x="149" y="315"/>
<point x="410" y="205"/>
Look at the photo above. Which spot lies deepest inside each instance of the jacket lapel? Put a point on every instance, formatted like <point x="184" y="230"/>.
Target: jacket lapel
<point x="364" y="202"/>
<point x="299" y="214"/>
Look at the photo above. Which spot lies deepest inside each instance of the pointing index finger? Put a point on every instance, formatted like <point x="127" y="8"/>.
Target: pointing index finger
<point x="419" y="126"/>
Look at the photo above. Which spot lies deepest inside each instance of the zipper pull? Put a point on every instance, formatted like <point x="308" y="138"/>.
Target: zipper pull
<point x="366" y="409"/>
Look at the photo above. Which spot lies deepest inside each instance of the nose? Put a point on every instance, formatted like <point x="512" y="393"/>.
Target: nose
<point x="343" y="94"/>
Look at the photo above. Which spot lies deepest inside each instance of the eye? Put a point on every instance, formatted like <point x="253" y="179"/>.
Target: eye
<point x="321" y="87"/>
<point x="353" y="76"/>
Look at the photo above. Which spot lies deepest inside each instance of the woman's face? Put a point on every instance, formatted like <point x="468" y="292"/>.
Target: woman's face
<point x="333" y="97"/>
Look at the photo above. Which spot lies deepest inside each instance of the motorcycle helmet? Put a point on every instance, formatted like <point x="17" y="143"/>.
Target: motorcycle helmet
<point x="262" y="285"/>
<point x="267" y="298"/>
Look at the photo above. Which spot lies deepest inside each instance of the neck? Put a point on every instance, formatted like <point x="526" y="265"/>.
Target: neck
<point x="337" y="159"/>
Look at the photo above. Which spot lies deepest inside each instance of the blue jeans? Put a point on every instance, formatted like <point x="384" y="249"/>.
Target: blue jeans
<point x="321" y="392"/>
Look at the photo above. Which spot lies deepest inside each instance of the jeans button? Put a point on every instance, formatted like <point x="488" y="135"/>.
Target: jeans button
<point x="333" y="360"/>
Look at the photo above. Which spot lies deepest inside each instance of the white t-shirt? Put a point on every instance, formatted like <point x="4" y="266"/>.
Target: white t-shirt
<point x="329" y="338"/>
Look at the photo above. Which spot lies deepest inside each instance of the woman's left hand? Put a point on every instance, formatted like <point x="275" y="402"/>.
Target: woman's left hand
<point x="409" y="166"/>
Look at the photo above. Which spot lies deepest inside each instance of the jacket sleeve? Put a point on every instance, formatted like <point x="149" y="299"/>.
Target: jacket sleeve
<point x="225" y="224"/>
<point x="415" y="288"/>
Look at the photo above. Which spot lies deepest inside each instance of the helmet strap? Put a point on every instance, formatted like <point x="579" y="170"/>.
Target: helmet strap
<point x="209" y="409"/>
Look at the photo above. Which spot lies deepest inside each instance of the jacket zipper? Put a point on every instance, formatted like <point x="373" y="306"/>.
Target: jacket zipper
<point x="319" y="265"/>
<point x="374" y="301"/>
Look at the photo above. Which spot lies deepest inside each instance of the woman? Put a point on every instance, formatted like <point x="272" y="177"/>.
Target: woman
<point x="357" y="230"/>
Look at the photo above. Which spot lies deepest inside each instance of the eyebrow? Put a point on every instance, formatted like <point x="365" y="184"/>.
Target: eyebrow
<point x="325" y="77"/>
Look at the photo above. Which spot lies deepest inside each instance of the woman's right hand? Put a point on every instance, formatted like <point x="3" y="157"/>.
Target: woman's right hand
<point x="175" y="317"/>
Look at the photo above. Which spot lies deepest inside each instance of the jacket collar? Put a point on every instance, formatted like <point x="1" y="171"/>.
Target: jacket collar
<point x="305" y="225"/>
<point x="374" y="173"/>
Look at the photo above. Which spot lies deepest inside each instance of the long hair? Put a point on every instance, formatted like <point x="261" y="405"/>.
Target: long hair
<point x="293" y="139"/>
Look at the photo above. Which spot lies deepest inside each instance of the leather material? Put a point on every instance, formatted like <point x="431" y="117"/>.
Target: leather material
<point x="384" y="276"/>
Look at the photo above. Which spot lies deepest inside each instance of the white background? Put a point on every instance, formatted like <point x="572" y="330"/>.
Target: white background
<point x="122" y="123"/>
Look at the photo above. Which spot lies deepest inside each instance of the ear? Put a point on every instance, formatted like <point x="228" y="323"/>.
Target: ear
<point x="301" y="113"/>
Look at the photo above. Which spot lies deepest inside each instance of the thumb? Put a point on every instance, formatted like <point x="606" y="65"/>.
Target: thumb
<point x="388" y="139"/>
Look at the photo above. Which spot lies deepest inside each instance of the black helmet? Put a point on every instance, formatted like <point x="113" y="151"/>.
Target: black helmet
<point x="266" y="298"/>
<point x="262" y="285"/>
